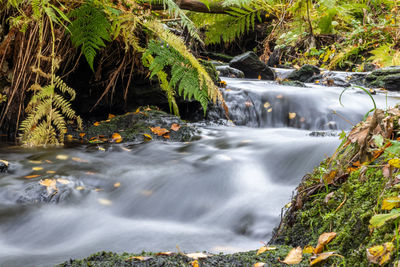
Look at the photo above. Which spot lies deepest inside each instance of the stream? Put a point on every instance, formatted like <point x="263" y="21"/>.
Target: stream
<point x="221" y="193"/>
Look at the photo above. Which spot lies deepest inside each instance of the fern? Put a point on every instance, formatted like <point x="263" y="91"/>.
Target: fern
<point x="184" y="77"/>
<point x="89" y="29"/>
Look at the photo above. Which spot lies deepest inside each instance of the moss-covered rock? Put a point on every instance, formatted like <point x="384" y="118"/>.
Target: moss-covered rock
<point x="210" y="68"/>
<point x="342" y="195"/>
<point x="388" y="78"/>
<point x="136" y="127"/>
<point x="271" y="258"/>
<point x="305" y="73"/>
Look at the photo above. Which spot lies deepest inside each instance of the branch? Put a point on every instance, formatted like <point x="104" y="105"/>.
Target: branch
<point x="192" y="5"/>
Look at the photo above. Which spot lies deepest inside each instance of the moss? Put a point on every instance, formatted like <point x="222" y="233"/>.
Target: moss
<point x="210" y="68"/>
<point x="271" y="258"/>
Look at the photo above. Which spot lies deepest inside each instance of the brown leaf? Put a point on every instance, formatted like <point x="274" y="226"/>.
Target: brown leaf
<point x="32" y="176"/>
<point x="79" y="160"/>
<point x="81" y="135"/>
<point x="323" y="256"/>
<point x="295" y="256"/>
<point x="175" y="127"/>
<point x="328" y="197"/>
<point x="386" y="171"/>
<point x="167" y="253"/>
<point x="248" y="104"/>
<point x="140" y="258"/>
<point x="110" y="116"/>
<point x="330" y="177"/>
<point x="166" y="136"/>
<point x="324" y="239"/>
<point x="159" y="131"/>
<point x="359" y="134"/>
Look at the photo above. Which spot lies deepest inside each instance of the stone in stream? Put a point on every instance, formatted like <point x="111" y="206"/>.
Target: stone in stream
<point x="3" y="165"/>
<point x="304" y="74"/>
<point x="252" y="66"/>
<point x="388" y="78"/>
<point x="230" y="72"/>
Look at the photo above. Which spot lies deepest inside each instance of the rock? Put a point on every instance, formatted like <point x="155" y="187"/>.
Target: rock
<point x="227" y="71"/>
<point x="135" y="127"/>
<point x="293" y="83"/>
<point x="369" y="67"/>
<point x="217" y="63"/>
<point x="217" y="56"/>
<point x="275" y="58"/>
<point x="3" y="165"/>
<point x="252" y="66"/>
<point x="388" y="78"/>
<point x="210" y="68"/>
<point x="304" y="74"/>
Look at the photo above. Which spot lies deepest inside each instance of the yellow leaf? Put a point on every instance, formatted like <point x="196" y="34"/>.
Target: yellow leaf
<point x="259" y="264"/>
<point x="51" y="172"/>
<point x="259" y="77"/>
<point x="279" y="96"/>
<point x="269" y="110"/>
<point x="118" y="184"/>
<point x="308" y="249"/>
<point x="80" y="188"/>
<point x="110" y="116"/>
<point x="195" y="263"/>
<point x="324" y="239"/>
<point x="175" y="127"/>
<point x="140" y="258"/>
<point x="35" y="161"/>
<point x="167" y="253"/>
<point x="137" y="111"/>
<point x="323" y="256"/>
<point x="294" y="257"/>
<point x="390" y="203"/>
<point x="380" y="254"/>
<point x="292" y="115"/>
<point x="330" y="177"/>
<point x="116" y="137"/>
<point x="104" y="201"/>
<point x="32" y="176"/>
<point x="197" y="256"/>
<point x="62" y="181"/>
<point x="37" y="168"/>
<point x="81" y="135"/>
<point x="96" y="123"/>
<point x="50" y="184"/>
<point x="264" y="249"/>
<point x="395" y="163"/>
<point x="267" y="105"/>
<point x="62" y="157"/>
<point x="147" y="136"/>
<point x="159" y="131"/>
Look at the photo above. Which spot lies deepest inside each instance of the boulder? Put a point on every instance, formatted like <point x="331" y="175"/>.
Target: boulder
<point x="210" y="68"/>
<point x="252" y="66"/>
<point x="304" y="74"/>
<point x="226" y="71"/>
<point x="388" y="78"/>
<point x="3" y="165"/>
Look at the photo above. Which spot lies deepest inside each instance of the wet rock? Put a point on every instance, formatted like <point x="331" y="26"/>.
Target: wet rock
<point x="275" y="58"/>
<point x="3" y="165"/>
<point x="252" y="66"/>
<point x="304" y="74"/>
<point x="217" y="56"/>
<point x="292" y="83"/>
<point x="227" y="71"/>
<point x="217" y="63"/>
<point x="388" y="78"/>
<point x="330" y="79"/>
<point x="210" y="68"/>
<point x="135" y="127"/>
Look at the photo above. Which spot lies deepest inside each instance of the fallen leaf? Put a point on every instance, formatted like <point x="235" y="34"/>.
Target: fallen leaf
<point x="79" y="160"/>
<point x="323" y="256"/>
<point x="81" y="135"/>
<point x="380" y="254"/>
<point x="98" y="189"/>
<point x="147" y="136"/>
<point x="159" y="131"/>
<point x="197" y="256"/>
<point x="50" y="185"/>
<point x="380" y="219"/>
<point x="32" y="176"/>
<point x="391" y="203"/>
<point x="137" y="111"/>
<point x="37" y="168"/>
<point x="116" y="137"/>
<point x="269" y="110"/>
<point x="328" y="197"/>
<point x="101" y="148"/>
<point x="140" y="258"/>
<point x="259" y="264"/>
<point x="330" y="177"/>
<point x="51" y="172"/>
<point x="166" y="136"/>
<point x="195" y="263"/>
<point x="264" y="249"/>
<point x="118" y="184"/>
<point x="308" y="249"/>
<point x="96" y="123"/>
<point x="259" y="77"/>
<point x="248" y="104"/>
<point x="386" y="171"/>
<point x="267" y="105"/>
<point x="302" y="119"/>
<point x="62" y="157"/>
<point x="395" y="163"/>
<point x="49" y="161"/>
<point x="80" y="188"/>
<point x="90" y="173"/>
<point x="35" y="161"/>
<point x="104" y="201"/>
<point x="292" y="115"/>
<point x="295" y="256"/>
<point x="110" y="116"/>
<point x="167" y="253"/>
<point x="324" y="239"/>
<point x="279" y="96"/>
<point x="175" y="127"/>
<point x="62" y="181"/>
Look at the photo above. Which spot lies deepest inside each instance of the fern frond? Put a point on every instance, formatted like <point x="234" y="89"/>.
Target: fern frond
<point x="89" y="29"/>
<point x="63" y="87"/>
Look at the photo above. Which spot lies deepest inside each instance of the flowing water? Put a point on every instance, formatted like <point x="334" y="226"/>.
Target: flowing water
<point x="221" y="193"/>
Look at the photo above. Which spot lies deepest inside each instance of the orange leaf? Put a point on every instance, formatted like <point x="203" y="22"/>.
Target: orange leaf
<point x="110" y="116"/>
<point x="248" y="104"/>
<point x="32" y="176"/>
<point x="96" y="123"/>
<point x="159" y="131"/>
<point x="195" y="263"/>
<point x="323" y="256"/>
<point x="259" y="264"/>
<point x="79" y="160"/>
<point x="116" y="137"/>
<point x="330" y="177"/>
<point x="166" y="136"/>
<point x="81" y="135"/>
<point x="259" y="77"/>
<point x="324" y="239"/>
<point x="175" y="127"/>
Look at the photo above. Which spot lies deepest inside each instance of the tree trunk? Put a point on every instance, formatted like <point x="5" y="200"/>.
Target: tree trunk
<point x="193" y="5"/>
